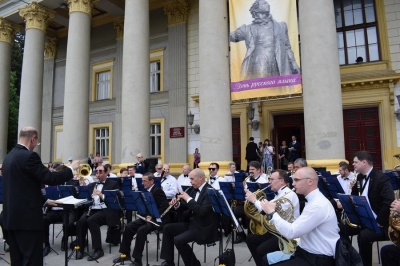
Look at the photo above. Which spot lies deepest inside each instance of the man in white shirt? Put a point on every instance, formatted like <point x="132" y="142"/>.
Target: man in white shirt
<point x="158" y="171"/>
<point x="259" y="245"/>
<point x="168" y="183"/>
<point x="346" y="177"/>
<point x="230" y="176"/>
<point x="214" y="179"/>
<point x="316" y="226"/>
<point x="183" y="179"/>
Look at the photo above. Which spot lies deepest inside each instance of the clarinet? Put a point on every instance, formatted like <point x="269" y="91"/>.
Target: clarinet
<point x="91" y="206"/>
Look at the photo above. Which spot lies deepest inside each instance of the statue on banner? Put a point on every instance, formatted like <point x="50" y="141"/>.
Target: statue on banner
<point x="269" y="52"/>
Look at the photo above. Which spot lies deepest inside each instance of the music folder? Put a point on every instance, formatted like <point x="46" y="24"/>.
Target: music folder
<point x="70" y="201"/>
<point x="151" y="206"/>
<point x="333" y="186"/>
<point x="221" y="205"/>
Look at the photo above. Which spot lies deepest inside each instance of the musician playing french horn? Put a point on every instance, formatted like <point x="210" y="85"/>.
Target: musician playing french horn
<point x="259" y="245"/>
<point x="140" y="227"/>
<point x="390" y="254"/>
<point x="255" y="176"/>
<point x="316" y="226"/>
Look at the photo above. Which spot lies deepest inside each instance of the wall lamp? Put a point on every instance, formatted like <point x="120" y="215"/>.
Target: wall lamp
<point x="196" y="127"/>
<point x="397" y="113"/>
<point x="255" y="124"/>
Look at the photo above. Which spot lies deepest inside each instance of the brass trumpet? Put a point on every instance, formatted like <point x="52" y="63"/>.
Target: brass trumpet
<point x="84" y="171"/>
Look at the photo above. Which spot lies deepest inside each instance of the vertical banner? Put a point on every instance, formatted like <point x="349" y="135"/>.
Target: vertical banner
<point x="264" y="54"/>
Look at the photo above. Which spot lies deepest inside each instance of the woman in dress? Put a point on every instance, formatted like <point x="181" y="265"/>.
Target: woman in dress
<point x="283" y="155"/>
<point x="268" y="153"/>
<point x="196" y="156"/>
<point x="97" y="160"/>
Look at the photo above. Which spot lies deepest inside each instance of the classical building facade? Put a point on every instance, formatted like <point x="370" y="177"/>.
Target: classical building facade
<point x="120" y="77"/>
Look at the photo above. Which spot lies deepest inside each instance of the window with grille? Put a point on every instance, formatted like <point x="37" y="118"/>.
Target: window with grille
<point x="102" y="139"/>
<point x="155" y="76"/>
<point x="155" y="140"/>
<point x="103" y="85"/>
<point x="357" y="31"/>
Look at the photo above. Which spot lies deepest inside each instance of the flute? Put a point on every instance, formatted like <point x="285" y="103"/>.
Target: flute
<point x="170" y="206"/>
<point x="141" y="217"/>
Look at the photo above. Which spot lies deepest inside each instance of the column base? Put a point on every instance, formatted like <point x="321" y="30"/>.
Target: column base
<point x="331" y="165"/>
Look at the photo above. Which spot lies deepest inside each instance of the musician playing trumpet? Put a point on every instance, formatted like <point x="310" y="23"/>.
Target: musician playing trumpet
<point x="259" y="245"/>
<point x="316" y="226"/>
<point x="140" y="227"/>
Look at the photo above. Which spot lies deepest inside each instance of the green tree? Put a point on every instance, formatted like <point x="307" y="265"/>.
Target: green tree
<point x="13" y="112"/>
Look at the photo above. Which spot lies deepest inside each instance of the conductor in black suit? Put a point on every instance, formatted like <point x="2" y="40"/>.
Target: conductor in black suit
<point x="376" y="187"/>
<point x="99" y="214"/>
<point x="141" y="228"/>
<point x="23" y="176"/>
<point x="251" y="152"/>
<point x="200" y="222"/>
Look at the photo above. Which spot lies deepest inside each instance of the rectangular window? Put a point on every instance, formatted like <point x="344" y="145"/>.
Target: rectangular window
<point x="102" y="140"/>
<point x="155" y="76"/>
<point x="102" y="80"/>
<point x="155" y="140"/>
<point x="103" y="85"/>
<point x="356" y="27"/>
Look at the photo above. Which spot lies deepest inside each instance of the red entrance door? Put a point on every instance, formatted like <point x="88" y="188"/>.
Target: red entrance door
<point x="236" y="142"/>
<point x="361" y="132"/>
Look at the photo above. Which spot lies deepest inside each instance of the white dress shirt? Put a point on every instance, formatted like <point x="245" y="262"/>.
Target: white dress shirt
<point x="345" y="182"/>
<point x="169" y="186"/>
<point x="366" y="188"/>
<point x="215" y="183"/>
<point x="316" y="226"/>
<point x="183" y="181"/>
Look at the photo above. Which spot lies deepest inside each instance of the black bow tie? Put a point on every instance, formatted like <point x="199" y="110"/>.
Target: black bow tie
<point x="361" y="176"/>
<point x="305" y="200"/>
<point x="213" y="178"/>
<point x="276" y="193"/>
<point x="185" y="175"/>
<point x="101" y="182"/>
<point x="197" y="190"/>
<point x="252" y="179"/>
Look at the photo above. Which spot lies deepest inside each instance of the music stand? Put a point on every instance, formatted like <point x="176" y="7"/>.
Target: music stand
<point x="126" y="184"/>
<point x="52" y="193"/>
<point x="323" y="187"/>
<point x="227" y="189"/>
<point x="239" y="177"/>
<point x="394" y="179"/>
<point x="66" y="191"/>
<point x="333" y="186"/>
<point x="238" y="191"/>
<point x="359" y="212"/>
<point x="84" y="193"/>
<point x="151" y="206"/>
<point x="139" y="184"/>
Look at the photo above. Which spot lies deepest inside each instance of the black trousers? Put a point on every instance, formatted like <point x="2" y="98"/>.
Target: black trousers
<point x="260" y="245"/>
<point x="304" y="258"/>
<point x="238" y="211"/>
<point x="390" y="255"/>
<point x="55" y="217"/>
<point x="178" y="234"/>
<point x="26" y="247"/>
<point x="141" y="229"/>
<point x="93" y="222"/>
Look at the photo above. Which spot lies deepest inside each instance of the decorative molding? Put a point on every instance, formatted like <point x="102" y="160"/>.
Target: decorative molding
<point x="177" y="11"/>
<point x="50" y="48"/>
<point x="36" y="16"/>
<point x="7" y="31"/>
<point x="84" y="6"/>
<point x="119" y="27"/>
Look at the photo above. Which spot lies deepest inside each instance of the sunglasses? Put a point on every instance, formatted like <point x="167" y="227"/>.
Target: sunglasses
<point x="99" y="171"/>
<point x="212" y="169"/>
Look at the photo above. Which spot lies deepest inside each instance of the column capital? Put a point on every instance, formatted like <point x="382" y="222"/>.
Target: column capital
<point x="84" y="6"/>
<point x="50" y="48"/>
<point x="119" y="26"/>
<point x="36" y="16"/>
<point x="7" y="31"/>
<point x="177" y="11"/>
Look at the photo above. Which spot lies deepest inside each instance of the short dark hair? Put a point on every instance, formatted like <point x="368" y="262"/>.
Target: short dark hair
<point x="107" y="167"/>
<point x="131" y="166"/>
<point x="283" y="174"/>
<point x="251" y="139"/>
<point x="122" y="170"/>
<point x="216" y="164"/>
<point x="364" y="155"/>
<point x="60" y="167"/>
<point x="344" y="165"/>
<point x="149" y="175"/>
<point x="255" y="164"/>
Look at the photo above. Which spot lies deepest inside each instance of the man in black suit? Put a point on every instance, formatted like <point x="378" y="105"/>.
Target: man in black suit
<point x="200" y="222"/>
<point x="251" y="152"/>
<point x="23" y="176"/>
<point x="294" y="149"/>
<point x="98" y="214"/>
<point x="376" y="186"/>
<point x="141" y="228"/>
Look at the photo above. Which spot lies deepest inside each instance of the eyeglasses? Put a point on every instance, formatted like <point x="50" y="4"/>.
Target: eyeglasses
<point x="99" y="171"/>
<point x="166" y="169"/>
<point x="212" y="169"/>
<point x="158" y="168"/>
<point x="299" y="179"/>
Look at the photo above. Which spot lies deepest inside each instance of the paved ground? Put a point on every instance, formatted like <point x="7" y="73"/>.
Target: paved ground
<point x="241" y="252"/>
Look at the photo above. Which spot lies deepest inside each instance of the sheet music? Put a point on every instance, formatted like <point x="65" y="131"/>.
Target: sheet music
<point x="70" y="200"/>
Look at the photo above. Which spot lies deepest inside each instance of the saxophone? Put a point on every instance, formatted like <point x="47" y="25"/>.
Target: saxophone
<point x="394" y="224"/>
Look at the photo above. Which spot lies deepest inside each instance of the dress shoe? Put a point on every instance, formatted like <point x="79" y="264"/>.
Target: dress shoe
<point x="240" y="238"/>
<point x="79" y="255"/>
<point x="46" y="251"/>
<point x="165" y="264"/>
<point x="97" y="254"/>
<point x="119" y="259"/>
<point x="136" y="263"/>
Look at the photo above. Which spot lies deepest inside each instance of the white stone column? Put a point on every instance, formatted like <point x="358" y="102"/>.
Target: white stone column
<point x="77" y="79"/>
<point x="7" y="31"/>
<point x="30" y="107"/>
<point x="323" y="113"/>
<point x="215" y="105"/>
<point x="50" y="50"/>
<point x="135" y="109"/>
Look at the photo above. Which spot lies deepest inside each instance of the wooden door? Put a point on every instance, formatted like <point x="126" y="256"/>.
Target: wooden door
<point x="362" y="132"/>
<point x="236" y="142"/>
